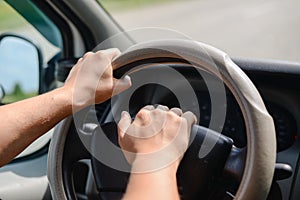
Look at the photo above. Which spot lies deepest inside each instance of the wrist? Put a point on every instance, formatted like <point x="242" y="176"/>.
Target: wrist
<point x="63" y="97"/>
<point x="140" y="166"/>
<point x="160" y="184"/>
<point x="75" y="102"/>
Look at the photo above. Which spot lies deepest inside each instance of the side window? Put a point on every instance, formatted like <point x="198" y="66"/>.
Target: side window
<point x="23" y="52"/>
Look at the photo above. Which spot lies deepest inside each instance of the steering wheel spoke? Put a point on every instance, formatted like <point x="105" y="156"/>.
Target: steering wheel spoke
<point x="235" y="164"/>
<point x="203" y="162"/>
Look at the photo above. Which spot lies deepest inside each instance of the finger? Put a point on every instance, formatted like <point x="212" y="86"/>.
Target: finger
<point x="87" y="54"/>
<point x="190" y="118"/>
<point x="111" y="53"/>
<point x="177" y="111"/>
<point x="149" y="107"/>
<point x="161" y="107"/>
<point x="142" y="117"/>
<point x="121" y="84"/>
<point x="79" y="60"/>
<point x="124" y="123"/>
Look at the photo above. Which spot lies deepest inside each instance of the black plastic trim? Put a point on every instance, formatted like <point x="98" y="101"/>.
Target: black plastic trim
<point x="63" y="26"/>
<point x="294" y="185"/>
<point x="86" y="34"/>
<point x="264" y="65"/>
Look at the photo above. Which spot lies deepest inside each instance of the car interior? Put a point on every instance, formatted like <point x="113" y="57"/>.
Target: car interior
<point x="248" y="109"/>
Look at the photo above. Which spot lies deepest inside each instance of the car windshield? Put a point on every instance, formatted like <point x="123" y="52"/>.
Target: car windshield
<point x="258" y="29"/>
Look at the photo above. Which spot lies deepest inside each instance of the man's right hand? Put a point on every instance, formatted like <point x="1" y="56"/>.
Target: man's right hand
<point x="153" y="130"/>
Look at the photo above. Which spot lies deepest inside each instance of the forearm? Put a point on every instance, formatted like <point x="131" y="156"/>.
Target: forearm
<point x="160" y="185"/>
<point x="23" y="122"/>
<point x="90" y="81"/>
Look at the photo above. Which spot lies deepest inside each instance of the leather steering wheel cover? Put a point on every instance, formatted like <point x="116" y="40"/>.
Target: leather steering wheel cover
<point x="261" y="139"/>
<point x="55" y="156"/>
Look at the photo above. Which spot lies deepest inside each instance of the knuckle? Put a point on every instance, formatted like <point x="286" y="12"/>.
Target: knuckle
<point x="142" y="114"/>
<point x="79" y="60"/>
<point x="177" y="109"/>
<point x="101" y="54"/>
<point x="162" y="107"/>
<point x="157" y="112"/>
<point x="149" y="107"/>
<point x="173" y="117"/>
<point x="86" y="55"/>
<point x="171" y="114"/>
<point x="189" y="113"/>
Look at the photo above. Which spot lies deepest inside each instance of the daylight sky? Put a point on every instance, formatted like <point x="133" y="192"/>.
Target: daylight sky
<point x="18" y="64"/>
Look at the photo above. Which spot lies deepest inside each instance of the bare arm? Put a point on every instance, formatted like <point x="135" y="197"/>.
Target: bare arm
<point x="154" y="144"/>
<point x="90" y="81"/>
<point x="23" y="122"/>
<point x="160" y="185"/>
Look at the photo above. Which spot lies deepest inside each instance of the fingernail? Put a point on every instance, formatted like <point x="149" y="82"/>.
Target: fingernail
<point x="127" y="80"/>
<point x="124" y="114"/>
<point x="113" y="50"/>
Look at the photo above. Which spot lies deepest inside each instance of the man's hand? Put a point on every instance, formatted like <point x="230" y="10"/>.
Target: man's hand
<point x="157" y="138"/>
<point x="91" y="79"/>
<point x="156" y="135"/>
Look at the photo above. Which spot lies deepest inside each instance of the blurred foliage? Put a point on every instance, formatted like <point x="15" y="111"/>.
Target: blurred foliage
<point x="9" y="18"/>
<point x="17" y="95"/>
<point x="120" y="5"/>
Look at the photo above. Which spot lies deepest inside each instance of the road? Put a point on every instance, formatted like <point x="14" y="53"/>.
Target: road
<point x="263" y="29"/>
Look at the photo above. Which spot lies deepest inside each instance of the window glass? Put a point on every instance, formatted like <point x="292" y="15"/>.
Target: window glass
<point x="12" y="22"/>
<point x="19" y="59"/>
<point x="259" y="29"/>
<point x="19" y="64"/>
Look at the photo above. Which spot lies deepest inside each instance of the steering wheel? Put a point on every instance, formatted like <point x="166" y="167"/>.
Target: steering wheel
<point x="255" y="177"/>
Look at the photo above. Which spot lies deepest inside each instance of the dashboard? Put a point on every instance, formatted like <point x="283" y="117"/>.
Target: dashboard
<point x="277" y="82"/>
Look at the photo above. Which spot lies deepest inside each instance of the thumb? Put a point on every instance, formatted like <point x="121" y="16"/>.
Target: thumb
<point x="121" y="84"/>
<point x="111" y="53"/>
<point x="124" y="123"/>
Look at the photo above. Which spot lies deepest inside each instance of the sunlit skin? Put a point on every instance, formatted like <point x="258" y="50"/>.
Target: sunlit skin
<point x="24" y="121"/>
<point x="91" y="81"/>
<point x="154" y="130"/>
